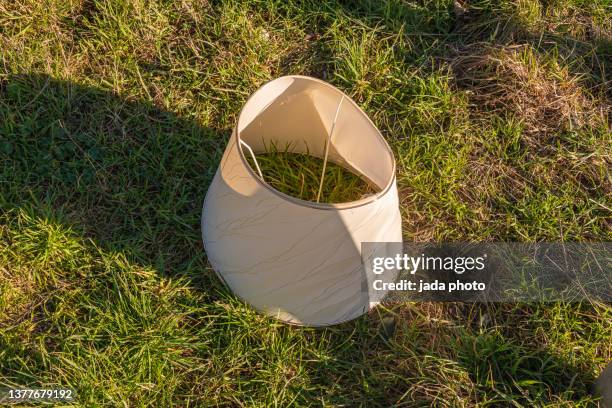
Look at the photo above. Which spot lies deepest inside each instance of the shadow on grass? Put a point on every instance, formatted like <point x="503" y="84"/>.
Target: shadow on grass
<point x="129" y="175"/>
<point x="80" y="162"/>
<point x="502" y="348"/>
<point x="449" y="355"/>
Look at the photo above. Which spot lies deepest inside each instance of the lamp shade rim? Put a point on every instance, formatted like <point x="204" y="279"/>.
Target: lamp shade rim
<point x="305" y="203"/>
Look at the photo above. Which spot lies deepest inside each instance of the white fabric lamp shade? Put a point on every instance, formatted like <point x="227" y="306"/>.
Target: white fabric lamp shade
<point x="300" y="261"/>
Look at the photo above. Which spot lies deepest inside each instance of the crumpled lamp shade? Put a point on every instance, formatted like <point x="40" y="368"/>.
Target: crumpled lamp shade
<point x="297" y="260"/>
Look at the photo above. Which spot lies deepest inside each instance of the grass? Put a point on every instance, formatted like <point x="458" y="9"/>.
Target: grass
<point x="299" y="175"/>
<point x="113" y="119"/>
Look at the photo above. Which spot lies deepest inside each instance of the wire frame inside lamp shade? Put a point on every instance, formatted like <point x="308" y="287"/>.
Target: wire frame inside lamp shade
<point x="300" y="261"/>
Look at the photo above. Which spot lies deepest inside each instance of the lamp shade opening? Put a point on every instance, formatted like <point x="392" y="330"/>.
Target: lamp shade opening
<point x="307" y="177"/>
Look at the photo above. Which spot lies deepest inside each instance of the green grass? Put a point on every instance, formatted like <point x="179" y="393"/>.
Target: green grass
<point x="299" y="175"/>
<point x="113" y="119"/>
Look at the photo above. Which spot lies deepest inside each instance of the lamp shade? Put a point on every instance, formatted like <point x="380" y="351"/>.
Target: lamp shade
<point x="300" y="261"/>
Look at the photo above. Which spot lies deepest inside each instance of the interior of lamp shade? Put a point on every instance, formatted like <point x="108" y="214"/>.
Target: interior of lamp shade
<point x="299" y="114"/>
<point x="300" y="261"/>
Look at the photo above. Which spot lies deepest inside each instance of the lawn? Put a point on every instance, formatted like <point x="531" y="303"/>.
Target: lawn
<point x="113" y="119"/>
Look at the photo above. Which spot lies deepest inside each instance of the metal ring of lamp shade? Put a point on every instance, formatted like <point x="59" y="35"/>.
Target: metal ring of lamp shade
<point x="300" y="261"/>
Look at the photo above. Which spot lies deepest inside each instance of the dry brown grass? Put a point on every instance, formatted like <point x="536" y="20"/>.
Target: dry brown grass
<point x="513" y="80"/>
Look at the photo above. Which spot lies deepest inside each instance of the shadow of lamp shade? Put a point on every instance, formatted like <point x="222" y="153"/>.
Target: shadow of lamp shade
<point x="300" y="261"/>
